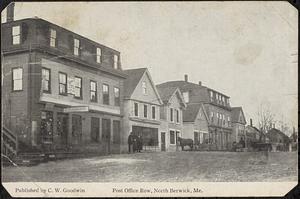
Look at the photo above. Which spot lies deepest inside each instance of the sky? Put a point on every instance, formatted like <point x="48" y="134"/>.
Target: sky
<point x="246" y="50"/>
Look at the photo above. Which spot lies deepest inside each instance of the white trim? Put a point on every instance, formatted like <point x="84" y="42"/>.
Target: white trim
<point x="46" y="98"/>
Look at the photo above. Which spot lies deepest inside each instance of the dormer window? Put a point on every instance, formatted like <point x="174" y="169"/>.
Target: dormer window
<point x="186" y="97"/>
<point x="144" y="88"/>
<point x="52" y="37"/>
<point x="16" y="34"/>
<point x="76" y="47"/>
<point x="116" y="58"/>
<point x="98" y="55"/>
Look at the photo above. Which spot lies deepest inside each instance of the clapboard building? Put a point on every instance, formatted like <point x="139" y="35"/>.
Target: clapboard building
<point x="217" y="107"/>
<point x="60" y="90"/>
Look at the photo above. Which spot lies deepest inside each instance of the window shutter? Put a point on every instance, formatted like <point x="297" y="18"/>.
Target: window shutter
<point x="24" y="32"/>
<point x="71" y="43"/>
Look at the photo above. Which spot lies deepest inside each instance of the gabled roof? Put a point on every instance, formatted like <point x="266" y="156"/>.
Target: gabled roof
<point x="275" y="132"/>
<point x="191" y="112"/>
<point x="166" y="93"/>
<point x="235" y="114"/>
<point x="134" y="77"/>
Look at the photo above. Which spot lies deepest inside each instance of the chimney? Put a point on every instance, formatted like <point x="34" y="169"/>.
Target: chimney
<point x="250" y="121"/>
<point x="10" y="12"/>
<point x="200" y="83"/>
<point x="186" y="78"/>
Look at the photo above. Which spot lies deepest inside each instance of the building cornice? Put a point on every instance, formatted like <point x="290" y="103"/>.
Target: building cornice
<point x="61" y="55"/>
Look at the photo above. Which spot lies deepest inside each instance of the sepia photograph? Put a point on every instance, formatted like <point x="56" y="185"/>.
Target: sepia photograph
<point x="149" y="99"/>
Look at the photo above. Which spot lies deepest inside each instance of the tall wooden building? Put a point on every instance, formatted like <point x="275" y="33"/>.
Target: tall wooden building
<point x="60" y="90"/>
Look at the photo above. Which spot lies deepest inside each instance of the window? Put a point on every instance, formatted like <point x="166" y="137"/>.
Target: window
<point x="186" y="97"/>
<point x="117" y="96"/>
<point x="93" y="91"/>
<point x="212" y="116"/>
<point x="218" y="118"/>
<point x="228" y="120"/>
<point x="98" y="55"/>
<point x="16" y="34"/>
<point x="136" y="109"/>
<point x="78" y="87"/>
<point x="116" y="57"/>
<point x="62" y="83"/>
<point x="105" y="94"/>
<point x="116" y="132"/>
<point x="17" y="78"/>
<point x="171" y="115"/>
<point x="177" y="116"/>
<point x="46" y="81"/>
<point x="223" y="119"/>
<point x="52" y="37"/>
<point x="145" y="111"/>
<point x="95" y="128"/>
<point x="144" y="87"/>
<point x="211" y="95"/>
<point x="223" y="100"/>
<point x="76" y="46"/>
<point x="172" y="137"/>
<point x="153" y="112"/>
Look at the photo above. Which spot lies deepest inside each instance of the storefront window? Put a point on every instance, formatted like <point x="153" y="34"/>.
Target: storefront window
<point x="47" y="126"/>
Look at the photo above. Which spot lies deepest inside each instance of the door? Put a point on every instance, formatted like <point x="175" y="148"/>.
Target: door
<point x="62" y="128"/>
<point x="95" y="127"/>
<point x="106" y="134"/>
<point x="163" y="141"/>
<point x="76" y="129"/>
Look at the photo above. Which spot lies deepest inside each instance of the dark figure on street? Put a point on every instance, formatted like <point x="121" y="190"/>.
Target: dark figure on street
<point x="130" y="143"/>
<point x="134" y="142"/>
<point x="139" y="143"/>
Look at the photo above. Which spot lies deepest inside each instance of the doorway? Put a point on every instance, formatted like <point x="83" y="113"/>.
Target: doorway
<point x="62" y="129"/>
<point x="163" y="141"/>
<point x="106" y="134"/>
<point x="95" y="127"/>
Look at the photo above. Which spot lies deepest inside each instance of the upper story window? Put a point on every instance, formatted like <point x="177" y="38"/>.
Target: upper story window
<point x="76" y="46"/>
<point x="211" y="95"/>
<point x="93" y="91"/>
<point x="223" y="100"/>
<point x="17" y="78"/>
<point x="16" y="35"/>
<point x="116" y="60"/>
<point x="186" y="97"/>
<point x="212" y="116"/>
<point x="144" y="87"/>
<point x="46" y="80"/>
<point x="117" y="96"/>
<point x="105" y="93"/>
<point x="62" y="78"/>
<point x="171" y="115"/>
<point x="145" y="111"/>
<point x="153" y="112"/>
<point x="228" y="120"/>
<point x="52" y="37"/>
<point x="177" y="115"/>
<point x="78" y="87"/>
<point x="98" y="55"/>
<point x="136" y="109"/>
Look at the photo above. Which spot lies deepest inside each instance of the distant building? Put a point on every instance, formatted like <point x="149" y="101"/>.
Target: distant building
<point x="195" y="124"/>
<point x="217" y="108"/>
<point x="141" y="109"/>
<point x="171" y="118"/>
<point x="60" y="90"/>
<point x="238" y="124"/>
<point x="278" y="140"/>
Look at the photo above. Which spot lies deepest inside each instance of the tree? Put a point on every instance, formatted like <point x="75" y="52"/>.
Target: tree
<point x="266" y="118"/>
